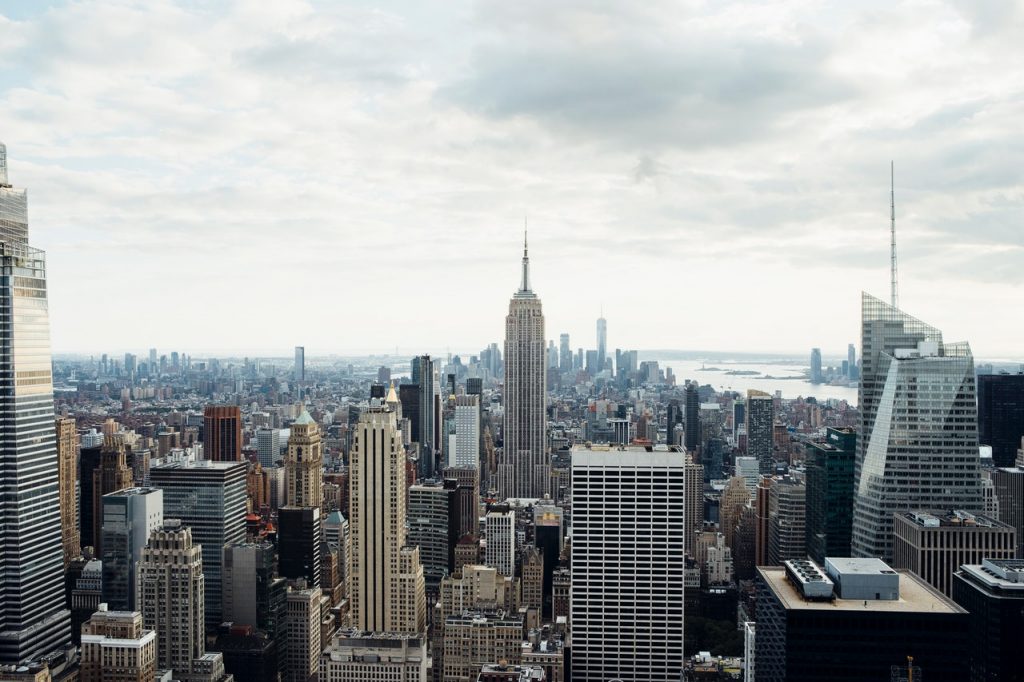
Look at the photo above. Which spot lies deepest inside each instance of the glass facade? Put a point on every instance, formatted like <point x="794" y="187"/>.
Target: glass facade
<point x="830" y="479"/>
<point x="33" y="620"/>
<point x="918" y="441"/>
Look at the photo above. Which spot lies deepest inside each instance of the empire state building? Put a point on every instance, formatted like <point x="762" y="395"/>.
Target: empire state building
<point x="525" y="467"/>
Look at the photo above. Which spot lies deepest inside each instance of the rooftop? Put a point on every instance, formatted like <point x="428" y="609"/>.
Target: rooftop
<point x="954" y="518"/>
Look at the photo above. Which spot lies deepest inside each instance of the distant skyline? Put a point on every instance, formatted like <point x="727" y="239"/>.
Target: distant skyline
<point x="354" y="178"/>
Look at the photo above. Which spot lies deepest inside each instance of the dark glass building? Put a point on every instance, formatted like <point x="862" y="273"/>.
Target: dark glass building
<point x="298" y="544"/>
<point x="1001" y="415"/>
<point x="692" y="422"/>
<point x="830" y="481"/>
<point x="222" y="433"/>
<point x="993" y="593"/>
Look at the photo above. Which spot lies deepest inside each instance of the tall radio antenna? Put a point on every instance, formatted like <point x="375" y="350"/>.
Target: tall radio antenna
<point x="892" y="236"/>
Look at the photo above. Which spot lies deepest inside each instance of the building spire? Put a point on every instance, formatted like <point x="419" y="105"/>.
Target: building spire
<point x="893" y="289"/>
<point x="524" y="286"/>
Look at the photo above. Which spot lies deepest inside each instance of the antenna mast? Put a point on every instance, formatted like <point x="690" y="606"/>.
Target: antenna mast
<point x="892" y="236"/>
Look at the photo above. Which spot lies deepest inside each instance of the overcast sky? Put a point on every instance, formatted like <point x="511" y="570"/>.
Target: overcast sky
<point x="354" y="176"/>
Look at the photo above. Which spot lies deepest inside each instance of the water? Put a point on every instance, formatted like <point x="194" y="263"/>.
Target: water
<point x="785" y="376"/>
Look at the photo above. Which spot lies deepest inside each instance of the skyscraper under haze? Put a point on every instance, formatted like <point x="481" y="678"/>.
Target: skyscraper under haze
<point x="525" y="468"/>
<point x="816" y="376"/>
<point x="299" y="370"/>
<point x="33" y="620"/>
<point x="917" y="447"/>
<point x="692" y="421"/>
<point x="602" y="343"/>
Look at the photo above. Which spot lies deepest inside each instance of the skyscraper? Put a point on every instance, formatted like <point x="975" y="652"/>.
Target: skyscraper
<point x="387" y="578"/>
<point x="602" y="343"/>
<point x="129" y="516"/>
<point x="760" y="424"/>
<point x="816" y="376"/>
<point x="851" y="363"/>
<point x="830" y="484"/>
<point x="564" y="354"/>
<point x="525" y="469"/>
<point x="465" y="452"/>
<point x="501" y="542"/>
<point x="113" y="474"/>
<point x="299" y="370"/>
<point x="67" y="456"/>
<point x="423" y="369"/>
<point x="33" y="619"/>
<point x="917" y="447"/>
<point x="268" y="446"/>
<point x="170" y="589"/>
<point x="304" y="464"/>
<point x="692" y="420"/>
<point x="628" y="564"/>
<point x="1001" y="415"/>
<point x="222" y="433"/>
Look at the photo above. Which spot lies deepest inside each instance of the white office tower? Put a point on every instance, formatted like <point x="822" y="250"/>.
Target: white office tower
<point x="500" y="554"/>
<point x="464" y="453"/>
<point x="268" y="446"/>
<point x="525" y="466"/>
<point x="387" y="577"/>
<point x="628" y="564"/>
<point x="375" y="657"/>
<point x="917" y="447"/>
<point x="748" y="469"/>
<point x="33" y="619"/>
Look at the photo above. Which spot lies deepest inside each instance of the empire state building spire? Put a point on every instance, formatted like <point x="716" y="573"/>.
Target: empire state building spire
<point x="524" y="285"/>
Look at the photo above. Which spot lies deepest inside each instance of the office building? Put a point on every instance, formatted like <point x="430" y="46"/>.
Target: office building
<point x="33" y="620"/>
<point x="935" y="544"/>
<point x="467" y="498"/>
<point x="356" y="656"/>
<point x="525" y="466"/>
<point x="830" y="482"/>
<point x="86" y="577"/>
<point x="268" y="446"/>
<point x="67" y="482"/>
<point x="302" y="642"/>
<point x="433" y="527"/>
<point x="209" y="498"/>
<point x="1008" y="487"/>
<point x="170" y="594"/>
<point x="88" y="462"/>
<point x="816" y="377"/>
<point x="129" y="516"/>
<point x="465" y="452"/>
<point x="734" y="498"/>
<point x="760" y="412"/>
<point x="222" y="433"/>
<point x="304" y="464"/>
<point x="992" y="592"/>
<point x="917" y="447"/>
<point x="748" y="468"/>
<point x="532" y="580"/>
<point x="252" y="595"/>
<point x="564" y="354"/>
<point x="851" y="363"/>
<point x="1001" y="415"/>
<point x="298" y="544"/>
<point x="694" y="496"/>
<point x="602" y="343"/>
<point x="425" y="427"/>
<point x="299" y="368"/>
<point x="854" y="621"/>
<point x="500" y="553"/>
<point x="387" y="578"/>
<point x="117" y="648"/>
<point x="112" y="474"/>
<point x="628" y="564"/>
<point x="692" y="423"/>
<point x="787" y="533"/>
<point x="474" y="639"/>
<point x="762" y="520"/>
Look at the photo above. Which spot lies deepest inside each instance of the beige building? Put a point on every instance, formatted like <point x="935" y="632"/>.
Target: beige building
<point x="533" y="578"/>
<point x="304" y="464"/>
<point x="935" y="544"/>
<point x="302" y="646"/>
<point x="735" y="497"/>
<point x="67" y="458"/>
<point x="693" y="477"/>
<point x="387" y="585"/>
<point x="375" y="657"/>
<point x="474" y="639"/>
<point x="117" y="648"/>
<point x="113" y="474"/>
<point x="170" y="593"/>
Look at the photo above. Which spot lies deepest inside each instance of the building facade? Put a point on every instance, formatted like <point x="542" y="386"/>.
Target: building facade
<point x="67" y="457"/>
<point x="1001" y="415"/>
<point x="760" y="416"/>
<point x="222" y="433"/>
<point x="129" y="516"/>
<point x="830" y="483"/>
<point x="304" y="464"/>
<point x="117" y="648"/>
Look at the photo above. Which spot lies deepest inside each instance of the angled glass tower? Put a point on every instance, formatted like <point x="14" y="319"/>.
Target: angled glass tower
<point x="33" y="620"/>
<point x="917" y="446"/>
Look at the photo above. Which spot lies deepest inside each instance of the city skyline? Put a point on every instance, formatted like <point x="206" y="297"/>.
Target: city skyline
<point x="401" y="149"/>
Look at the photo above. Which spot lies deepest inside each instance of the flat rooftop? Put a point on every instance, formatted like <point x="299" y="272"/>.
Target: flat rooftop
<point x="915" y="596"/>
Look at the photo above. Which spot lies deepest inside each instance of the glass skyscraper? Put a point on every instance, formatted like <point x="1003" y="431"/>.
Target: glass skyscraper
<point x="33" y="620"/>
<point x="917" y="447"/>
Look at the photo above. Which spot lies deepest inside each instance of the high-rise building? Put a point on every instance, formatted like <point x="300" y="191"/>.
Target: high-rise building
<point x="423" y="376"/>
<point x="748" y="469"/>
<point x="694" y="500"/>
<point x="602" y="343"/>
<point x="500" y="554"/>
<point x="304" y="464"/>
<point x="992" y="592"/>
<point x="252" y="595"/>
<point x="129" y="516"/>
<point x="917" y="446"/>
<point x="935" y="544"/>
<point x="851" y="363"/>
<point x="854" y="621"/>
<point x="222" y="433"/>
<point x="170" y="594"/>
<point x="1001" y="415"/>
<point x="112" y="474"/>
<point x="433" y="527"/>
<point x="473" y="639"/>
<point x="564" y="354"/>
<point x="465" y="452"/>
<point x="209" y="498"/>
<point x="760" y="413"/>
<point x="628" y="564"/>
<point x="762" y="519"/>
<point x="117" y="648"/>
<point x="268" y="446"/>
<point x="1008" y="486"/>
<point x="830" y="483"/>
<point x="299" y="368"/>
<point x="692" y="422"/>
<point x="299" y="533"/>
<point x="386" y="576"/>
<point x="375" y="657"/>
<point x="816" y="376"/>
<point x="734" y="498"/>
<point x="302" y="645"/>
<point x="86" y="593"/>
<point x="67" y="482"/>
<point x="33" y="617"/>
<point x="525" y="468"/>
<point x="787" y="534"/>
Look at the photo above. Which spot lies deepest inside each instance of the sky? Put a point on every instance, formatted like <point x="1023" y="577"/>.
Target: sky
<point x="355" y="177"/>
